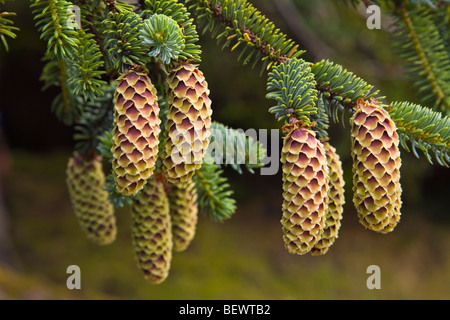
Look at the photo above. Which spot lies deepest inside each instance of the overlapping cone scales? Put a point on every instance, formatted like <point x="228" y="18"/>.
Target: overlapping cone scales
<point x="376" y="167"/>
<point x="305" y="186"/>
<point x="336" y="202"/>
<point x="184" y="213"/>
<point x="136" y="131"/>
<point x="151" y="231"/>
<point x="86" y="185"/>
<point x="188" y="123"/>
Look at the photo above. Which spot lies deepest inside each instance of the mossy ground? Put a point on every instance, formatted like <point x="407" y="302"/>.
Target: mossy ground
<point x="243" y="258"/>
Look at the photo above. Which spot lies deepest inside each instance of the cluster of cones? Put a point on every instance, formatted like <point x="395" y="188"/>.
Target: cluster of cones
<point x="164" y="210"/>
<point x="313" y="184"/>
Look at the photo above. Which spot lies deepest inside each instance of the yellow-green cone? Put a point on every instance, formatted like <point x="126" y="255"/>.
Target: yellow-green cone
<point x="184" y="213"/>
<point x="187" y="128"/>
<point x="336" y="201"/>
<point x="376" y="167"/>
<point x="86" y="182"/>
<point x="136" y="131"/>
<point x="305" y="187"/>
<point x="151" y="231"/>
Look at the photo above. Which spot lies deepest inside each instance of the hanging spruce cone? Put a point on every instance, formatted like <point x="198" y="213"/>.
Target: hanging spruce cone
<point x="376" y="167"/>
<point x="183" y="211"/>
<point x="305" y="187"/>
<point x="95" y="213"/>
<point x="136" y="131"/>
<point x="188" y="123"/>
<point x="151" y="231"/>
<point x="336" y="201"/>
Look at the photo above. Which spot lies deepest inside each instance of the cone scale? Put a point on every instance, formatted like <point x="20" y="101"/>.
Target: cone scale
<point x="95" y="213"/>
<point x="305" y="186"/>
<point x="187" y="128"/>
<point x="136" y="131"/>
<point x="376" y="167"/>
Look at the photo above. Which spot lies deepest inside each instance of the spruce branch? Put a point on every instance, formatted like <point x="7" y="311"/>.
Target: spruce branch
<point x="421" y="46"/>
<point x="292" y="85"/>
<point x="85" y="68"/>
<point x="66" y="109"/>
<point x="237" y="24"/>
<point x="321" y="118"/>
<point x="96" y="118"/>
<point x="52" y="18"/>
<point x="163" y="36"/>
<point x="179" y="13"/>
<point x="339" y="84"/>
<point x="124" y="48"/>
<point x="6" y="28"/>
<point x="424" y="129"/>
<point x="214" y="193"/>
<point x="64" y="105"/>
<point x="339" y="88"/>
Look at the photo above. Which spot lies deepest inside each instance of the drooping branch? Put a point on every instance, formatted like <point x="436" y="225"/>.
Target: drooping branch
<point x="425" y="51"/>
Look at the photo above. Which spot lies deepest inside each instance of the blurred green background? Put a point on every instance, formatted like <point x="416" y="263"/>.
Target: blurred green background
<point x="243" y="258"/>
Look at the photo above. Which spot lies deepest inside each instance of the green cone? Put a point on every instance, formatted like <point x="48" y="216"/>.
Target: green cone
<point x="86" y="182"/>
<point x="184" y="213"/>
<point x="151" y="231"/>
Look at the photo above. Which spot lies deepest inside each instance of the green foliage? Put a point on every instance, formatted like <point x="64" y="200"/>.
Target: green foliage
<point x="238" y="24"/>
<point x="85" y="68"/>
<point x="321" y="118"/>
<point x="236" y="21"/>
<point x="214" y="192"/>
<point x="239" y="148"/>
<point x="424" y="129"/>
<point x="125" y="49"/>
<point x="52" y="18"/>
<point x="6" y="28"/>
<point x="179" y="13"/>
<point x="164" y="37"/>
<point x="120" y="6"/>
<point x="423" y="47"/>
<point x="336" y="83"/>
<point x="292" y="85"/>
<point x="64" y="105"/>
